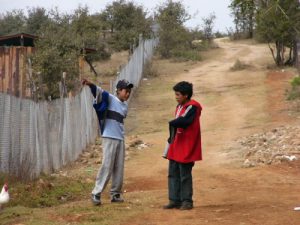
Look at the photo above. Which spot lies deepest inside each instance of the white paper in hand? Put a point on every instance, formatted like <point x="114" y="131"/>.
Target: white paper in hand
<point x="165" y="154"/>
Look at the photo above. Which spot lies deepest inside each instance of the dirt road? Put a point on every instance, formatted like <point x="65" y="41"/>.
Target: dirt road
<point x="235" y="104"/>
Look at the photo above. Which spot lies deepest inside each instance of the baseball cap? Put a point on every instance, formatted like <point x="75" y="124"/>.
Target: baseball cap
<point x="124" y="84"/>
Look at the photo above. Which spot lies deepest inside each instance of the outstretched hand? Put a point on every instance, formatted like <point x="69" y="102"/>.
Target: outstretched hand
<point x="85" y="82"/>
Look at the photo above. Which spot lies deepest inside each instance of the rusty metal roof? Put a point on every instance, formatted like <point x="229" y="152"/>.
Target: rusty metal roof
<point x="20" y="39"/>
<point x="88" y="50"/>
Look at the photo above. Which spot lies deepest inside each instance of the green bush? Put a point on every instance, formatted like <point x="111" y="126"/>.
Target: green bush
<point x="295" y="91"/>
<point x="296" y="82"/>
<point x="186" y="55"/>
<point x="47" y="191"/>
<point x="239" y="65"/>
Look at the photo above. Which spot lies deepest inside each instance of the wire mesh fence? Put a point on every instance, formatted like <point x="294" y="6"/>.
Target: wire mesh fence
<point x="40" y="137"/>
<point x="133" y="71"/>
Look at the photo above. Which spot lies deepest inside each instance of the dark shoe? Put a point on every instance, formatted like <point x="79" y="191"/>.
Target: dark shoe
<point x="186" y="206"/>
<point x="117" y="198"/>
<point x="172" y="205"/>
<point x="96" y="199"/>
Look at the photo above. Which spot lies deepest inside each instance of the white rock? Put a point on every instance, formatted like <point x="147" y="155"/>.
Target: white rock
<point x="290" y="158"/>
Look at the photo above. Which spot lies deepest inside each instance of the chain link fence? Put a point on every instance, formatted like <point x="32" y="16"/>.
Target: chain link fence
<point x="40" y="137"/>
<point x="133" y="71"/>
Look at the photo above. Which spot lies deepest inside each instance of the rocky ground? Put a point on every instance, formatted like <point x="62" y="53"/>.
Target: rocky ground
<point x="282" y="144"/>
<point x="93" y="155"/>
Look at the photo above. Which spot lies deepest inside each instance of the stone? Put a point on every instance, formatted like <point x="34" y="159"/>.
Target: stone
<point x="272" y="147"/>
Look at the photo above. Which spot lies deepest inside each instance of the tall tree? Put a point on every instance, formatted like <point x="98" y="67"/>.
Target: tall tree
<point x="126" y="21"/>
<point x="56" y="52"/>
<point x="172" y="34"/>
<point x="243" y="12"/>
<point x="12" y="22"/>
<point x="208" y="25"/>
<point x="60" y="45"/>
<point x="278" y="22"/>
<point x="36" y="18"/>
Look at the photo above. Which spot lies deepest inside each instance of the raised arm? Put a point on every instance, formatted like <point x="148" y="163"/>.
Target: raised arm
<point x="92" y="86"/>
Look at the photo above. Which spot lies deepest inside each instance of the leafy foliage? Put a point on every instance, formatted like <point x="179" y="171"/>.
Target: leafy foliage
<point x="208" y="24"/>
<point x="278" y="22"/>
<point x="36" y="19"/>
<point x="173" y="35"/>
<point x="56" y="52"/>
<point x="126" y="21"/>
<point x="12" y="22"/>
<point x="243" y="12"/>
<point x="294" y="93"/>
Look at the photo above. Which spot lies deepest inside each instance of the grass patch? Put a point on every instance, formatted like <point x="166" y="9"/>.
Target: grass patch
<point x="46" y="191"/>
<point x="294" y="93"/>
<point x="186" y="55"/>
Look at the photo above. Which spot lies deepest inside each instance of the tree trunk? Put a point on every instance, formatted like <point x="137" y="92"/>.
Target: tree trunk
<point x="295" y="54"/>
<point x="251" y="24"/>
<point x="278" y="53"/>
<point x="290" y="61"/>
<point x="296" y="59"/>
<point x="282" y="54"/>
<point x="273" y="54"/>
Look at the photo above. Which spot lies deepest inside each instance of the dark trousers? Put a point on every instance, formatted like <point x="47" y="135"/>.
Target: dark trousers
<point x="180" y="182"/>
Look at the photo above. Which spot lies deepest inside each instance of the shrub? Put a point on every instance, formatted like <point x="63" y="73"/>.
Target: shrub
<point x="239" y="65"/>
<point x="186" y="55"/>
<point x="295" y="91"/>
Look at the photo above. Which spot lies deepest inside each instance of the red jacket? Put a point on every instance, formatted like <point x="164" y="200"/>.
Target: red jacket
<point x="186" y="146"/>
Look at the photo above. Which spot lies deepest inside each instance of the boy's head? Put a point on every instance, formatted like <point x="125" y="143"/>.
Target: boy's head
<point x="124" y="89"/>
<point x="183" y="92"/>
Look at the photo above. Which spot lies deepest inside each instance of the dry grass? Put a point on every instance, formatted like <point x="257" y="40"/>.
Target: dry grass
<point x="150" y="70"/>
<point x="25" y="172"/>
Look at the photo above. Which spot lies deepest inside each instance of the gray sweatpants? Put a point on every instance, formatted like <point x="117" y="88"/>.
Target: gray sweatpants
<point x="112" y="166"/>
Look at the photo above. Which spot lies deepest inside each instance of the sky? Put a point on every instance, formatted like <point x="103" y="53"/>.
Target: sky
<point x="197" y="8"/>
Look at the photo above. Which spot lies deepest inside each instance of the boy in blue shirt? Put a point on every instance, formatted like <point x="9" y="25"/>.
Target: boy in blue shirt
<point x="112" y="131"/>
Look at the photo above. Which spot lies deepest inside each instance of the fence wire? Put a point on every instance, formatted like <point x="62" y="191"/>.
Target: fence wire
<point x="133" y="71"/>
<point x="42" y="137"/>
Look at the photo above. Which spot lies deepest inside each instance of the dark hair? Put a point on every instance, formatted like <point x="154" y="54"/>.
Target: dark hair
<point x="185" y="88"/>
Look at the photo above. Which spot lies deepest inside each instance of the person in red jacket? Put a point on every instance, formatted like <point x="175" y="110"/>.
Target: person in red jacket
<point x="184" y="147"/>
